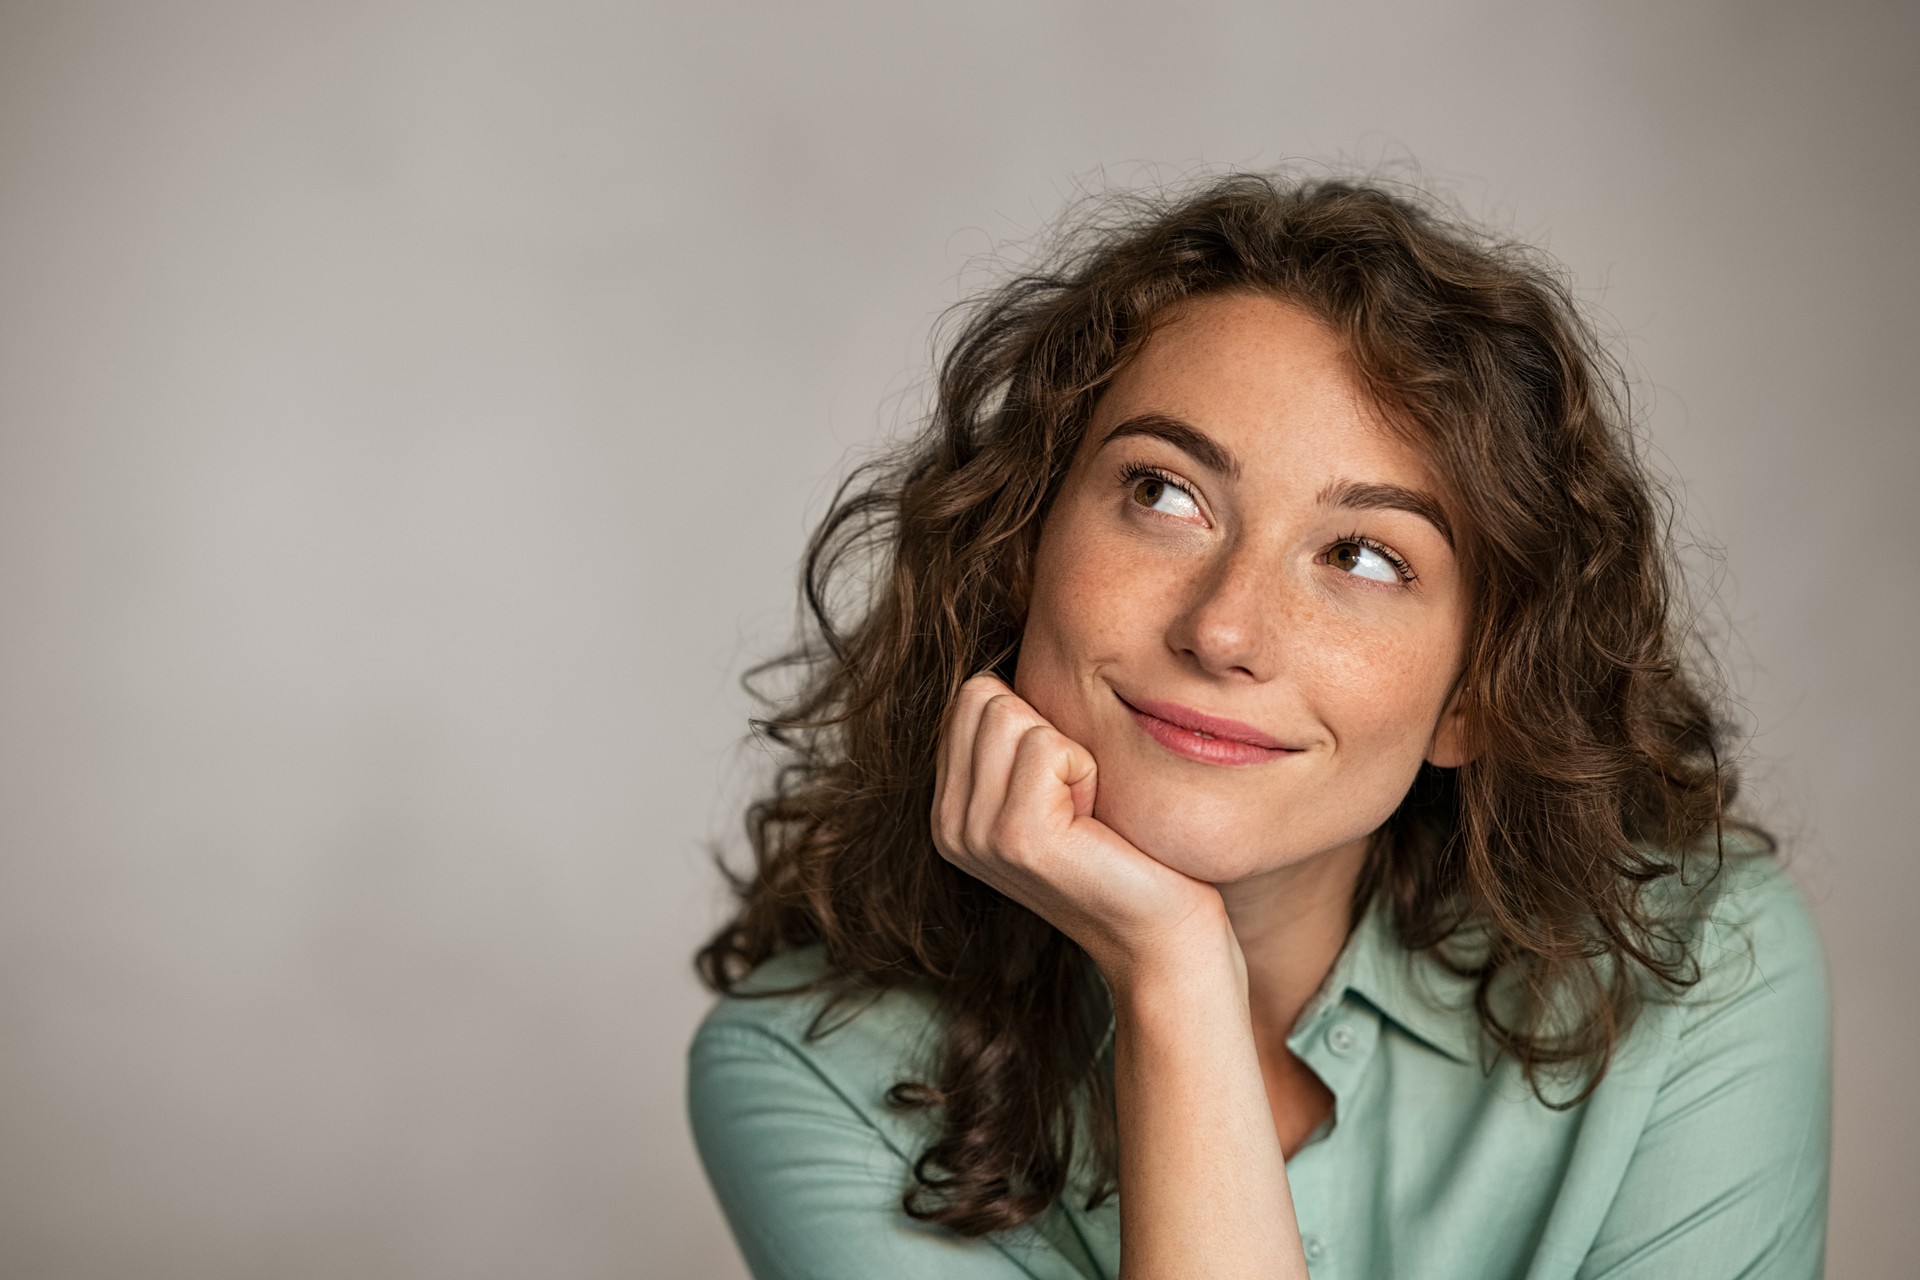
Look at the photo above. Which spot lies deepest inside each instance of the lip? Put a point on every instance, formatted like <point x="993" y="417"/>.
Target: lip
<point x="1209" y="739"/>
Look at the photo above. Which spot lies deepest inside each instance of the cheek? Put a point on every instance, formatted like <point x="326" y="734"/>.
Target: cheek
<point x="1375" y="707"/>
<point x="1049" y="673"/>
<point x="1374" y="687"/>
<point x="1380" y="709"/>
<point x="1086" y="610"/>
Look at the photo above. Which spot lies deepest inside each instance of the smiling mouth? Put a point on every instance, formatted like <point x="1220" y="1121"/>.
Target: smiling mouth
<point x="1216" y="744"/>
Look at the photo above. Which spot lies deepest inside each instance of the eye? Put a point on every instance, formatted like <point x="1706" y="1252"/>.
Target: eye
<point x="1157" y="491"/>
<point x="1365" y="558"/>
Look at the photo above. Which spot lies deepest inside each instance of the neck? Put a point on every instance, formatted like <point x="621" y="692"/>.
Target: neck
<point x="1291" y="923"/>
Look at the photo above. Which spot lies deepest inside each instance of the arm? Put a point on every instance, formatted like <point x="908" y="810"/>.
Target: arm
<point x="1203" y="1187"/>
<point x="1730" y="1174"/>
<point x="810" y="1188"/>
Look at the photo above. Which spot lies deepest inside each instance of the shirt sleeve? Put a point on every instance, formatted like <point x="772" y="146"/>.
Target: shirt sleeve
<point x="811" y="1188"/>
<point x="1729" y="1177"/>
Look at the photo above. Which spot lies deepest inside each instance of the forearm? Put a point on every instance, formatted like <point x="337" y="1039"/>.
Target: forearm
<point x="1203" y="1185"/>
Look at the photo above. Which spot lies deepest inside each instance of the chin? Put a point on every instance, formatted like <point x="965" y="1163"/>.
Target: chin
<point x="1199" y="836"/>
<point x="1226" y="826"/>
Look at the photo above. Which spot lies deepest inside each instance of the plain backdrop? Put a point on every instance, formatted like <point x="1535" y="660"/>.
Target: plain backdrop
<point x="410" y="416"/>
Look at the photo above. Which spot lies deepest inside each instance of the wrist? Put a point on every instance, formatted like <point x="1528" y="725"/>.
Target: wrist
<point x="1198" y="959"/>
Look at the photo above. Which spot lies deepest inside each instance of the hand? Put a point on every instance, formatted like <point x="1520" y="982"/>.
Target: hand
<point x="1013" y="806"/>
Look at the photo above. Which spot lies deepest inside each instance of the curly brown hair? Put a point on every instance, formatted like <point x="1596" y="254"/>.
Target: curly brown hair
<point x="1600" y="766"/>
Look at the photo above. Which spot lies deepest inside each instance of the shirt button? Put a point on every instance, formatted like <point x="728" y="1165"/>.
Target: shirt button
<point x="1313" y="1247"/>
<point x="1340" y="1038"/>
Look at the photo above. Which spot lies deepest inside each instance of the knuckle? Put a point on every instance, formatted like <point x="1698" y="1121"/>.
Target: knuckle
<point x="951" y="846"/>
<point x="1010" y="839"/>
<point x="1039" y="737"/>
<point x="1006" y="708"/>
<point x="1036" y="747"/>
<point x="971" y="834"/>
<point x="981" y="685"/>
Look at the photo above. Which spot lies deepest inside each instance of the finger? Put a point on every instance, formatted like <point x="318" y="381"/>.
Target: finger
<point x="1052" y="778"/>
<point x="953" y="762"/>
<point x="1003" y="719"/>
<point x="1071" y="876"/>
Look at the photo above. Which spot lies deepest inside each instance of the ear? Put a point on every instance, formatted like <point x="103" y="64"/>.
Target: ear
<point x="1450" y="748"/>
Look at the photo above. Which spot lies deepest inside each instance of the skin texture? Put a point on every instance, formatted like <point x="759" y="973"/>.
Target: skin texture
<point x="1227" y="602"/>
<point x="1213" y="897"/>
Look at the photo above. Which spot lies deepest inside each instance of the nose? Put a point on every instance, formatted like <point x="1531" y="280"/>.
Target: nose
<point x="1232" y="621"/>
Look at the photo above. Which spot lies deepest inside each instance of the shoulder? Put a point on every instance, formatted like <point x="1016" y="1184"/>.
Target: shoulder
<point x="792" y="999"/>
<point x="787" y="1095"/>
<point x="1728" y="1170"/>
<point x="1755" y="941"/>
<point x="786" y="1036"/>
<point x="1757" y="1024"/>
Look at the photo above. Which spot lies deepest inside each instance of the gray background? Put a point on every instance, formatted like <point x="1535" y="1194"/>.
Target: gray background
<point x="410" y="415"/>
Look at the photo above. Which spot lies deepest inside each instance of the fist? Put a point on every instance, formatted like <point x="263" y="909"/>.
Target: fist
<point x="1013" y="807"/>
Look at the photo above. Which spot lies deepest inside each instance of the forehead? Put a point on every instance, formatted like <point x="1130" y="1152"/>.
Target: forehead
<point x="1264" y="377"/>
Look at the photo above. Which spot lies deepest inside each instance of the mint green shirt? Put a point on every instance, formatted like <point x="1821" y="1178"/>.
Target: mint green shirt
<point x="1702" y="1154"/>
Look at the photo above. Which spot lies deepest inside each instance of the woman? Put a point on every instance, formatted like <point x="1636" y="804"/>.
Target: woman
<point x="1252" y="817"/>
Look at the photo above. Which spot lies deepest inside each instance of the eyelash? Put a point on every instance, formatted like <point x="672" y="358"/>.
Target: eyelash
<point x="1133" y="473"/>
<point x="1392" y="557"/>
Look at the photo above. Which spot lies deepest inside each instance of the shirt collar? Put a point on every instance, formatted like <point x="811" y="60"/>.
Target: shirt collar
<point x="1412" y="989"/>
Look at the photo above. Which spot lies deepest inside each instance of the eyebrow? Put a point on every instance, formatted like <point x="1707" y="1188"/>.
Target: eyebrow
<point x="1210" y="453"/>
<point x="1183" y="436"/>
<point x="1387" y="497"/>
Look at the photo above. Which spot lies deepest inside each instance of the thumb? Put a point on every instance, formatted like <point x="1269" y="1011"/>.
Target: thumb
<point x="1076" y="768"/>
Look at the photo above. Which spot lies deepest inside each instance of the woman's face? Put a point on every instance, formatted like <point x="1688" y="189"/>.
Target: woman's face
<point x="1224" y="549"/>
